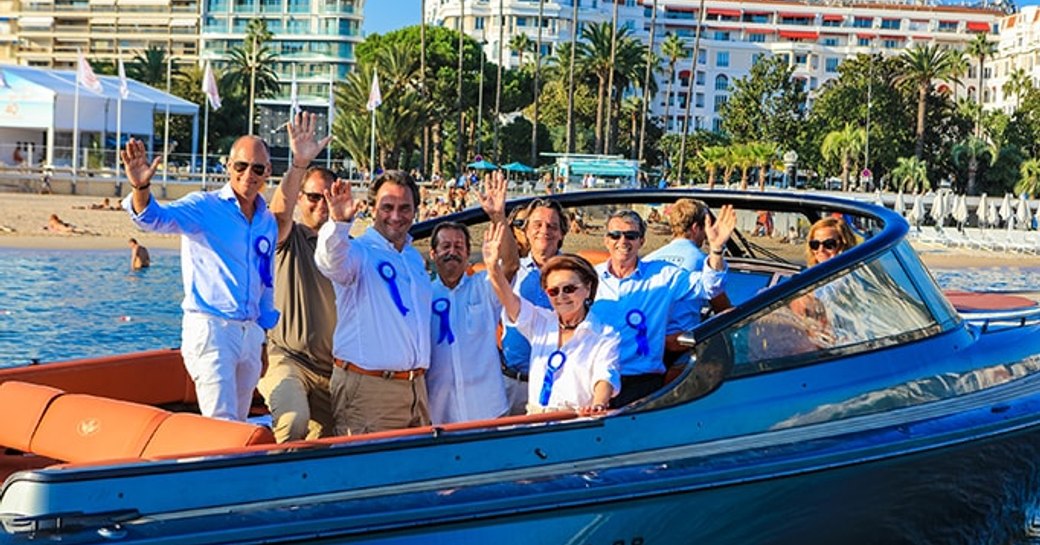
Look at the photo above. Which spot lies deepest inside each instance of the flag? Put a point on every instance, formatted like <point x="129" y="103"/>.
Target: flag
<point x="85" y="76"/>
<point x="374" y="97"/>
<point x="124" y="87"/>
<point x="294" y="102"/>
<point x="209" y="86"/>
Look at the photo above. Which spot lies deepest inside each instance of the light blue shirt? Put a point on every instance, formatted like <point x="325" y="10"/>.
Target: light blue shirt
<point x="654" y="290"/>
<point x="516" y="351"/>
<point x="682" y="253"/>
<point x="222" y="253"/>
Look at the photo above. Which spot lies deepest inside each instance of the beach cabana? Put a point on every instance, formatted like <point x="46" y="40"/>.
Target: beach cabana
<point x="517" y="167"/>
<point x="483" y="165"/>
<point x="40" y="103"/>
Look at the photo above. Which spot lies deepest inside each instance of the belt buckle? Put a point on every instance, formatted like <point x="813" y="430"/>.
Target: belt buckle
<point x="388" y="375"/>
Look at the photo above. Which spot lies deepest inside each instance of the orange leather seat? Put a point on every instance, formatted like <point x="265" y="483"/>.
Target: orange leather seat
<point x="594" y="256"/>
<point x="84" y="428"/>
<point x="22" y="405"/>
<point x="184" y="433"/>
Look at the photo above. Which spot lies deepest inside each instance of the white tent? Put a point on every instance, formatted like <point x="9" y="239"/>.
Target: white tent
<point x="960" y="211"/>
<point x="899" y="206"/>
<point x="982" y="211"/>
<point x="916" y="213"/>
<point x="1022" y="213"/>
<point x="39" y="99"/>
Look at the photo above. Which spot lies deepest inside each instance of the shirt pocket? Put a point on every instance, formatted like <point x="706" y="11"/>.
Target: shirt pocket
<point x="478" y="316"/>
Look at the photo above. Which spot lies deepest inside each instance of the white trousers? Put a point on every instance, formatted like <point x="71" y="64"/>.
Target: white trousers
<point x="223" y="359"/>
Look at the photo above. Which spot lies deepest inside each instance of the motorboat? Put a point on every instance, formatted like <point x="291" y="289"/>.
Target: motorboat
<point x="892" y="415"/>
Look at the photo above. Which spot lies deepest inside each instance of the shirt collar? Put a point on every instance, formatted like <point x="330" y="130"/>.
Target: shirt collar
<point x="377" y="238"/>
<point x="638" y="273"/>
<point x="228" y="194"/>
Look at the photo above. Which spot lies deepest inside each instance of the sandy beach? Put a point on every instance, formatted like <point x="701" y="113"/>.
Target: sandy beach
<point x="23" y="217"/>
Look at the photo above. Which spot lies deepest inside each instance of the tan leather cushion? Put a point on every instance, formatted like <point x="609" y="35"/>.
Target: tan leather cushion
<point x="85" y="428"/>
<point x="22" y="405"/>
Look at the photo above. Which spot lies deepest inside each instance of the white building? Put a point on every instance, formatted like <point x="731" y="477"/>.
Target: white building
<point x="1018" y="48"/>
<point x="813" y="36"/>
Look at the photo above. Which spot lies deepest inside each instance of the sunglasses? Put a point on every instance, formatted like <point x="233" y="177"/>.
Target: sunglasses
<point x="629" y="235"/>
<point x="257" y="168"/>
<point x="828" y="244"/>
<point x="568" y="289"/>
<point x="314" y="197"/>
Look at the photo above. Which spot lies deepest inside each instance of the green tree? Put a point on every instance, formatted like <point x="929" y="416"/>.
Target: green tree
<point x="1030" y="180"/>
<point x="712" y="158"/>
<point x="980" y="48"/>
<point x="919" y="67"/>
<point x="767" y="104"/>
<point x="910" y="174"/>
<point x="595" y="52"/>
<point x="1019" y="83"/>
<point x="149" y="67"/>
<point x="521" y="44"/>
<point x="968" y="153"/>
<point x="766" y="156"/>
<point x="672" y="49"/>
<point x="843" y="145"/>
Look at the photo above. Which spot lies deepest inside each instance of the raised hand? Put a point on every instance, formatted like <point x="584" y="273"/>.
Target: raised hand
<point x="340" y="201"/>
<point x="493" y="196"/>
<point x="718" y="231"/>
<point x="135" y="162"/>
<point x="493" y="246"/>
<point x="305" y="147"/>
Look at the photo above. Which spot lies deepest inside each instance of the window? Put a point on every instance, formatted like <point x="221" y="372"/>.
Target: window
<point x="830" y="64"/>
<point x="299" y="6"/>
<point x="890" y="44"/>
<point x="521" y="21"/>
<point x="721" y="36"/>
<point x="830" y="41"/>
<point x="698" y="100"/>
<point x="756" y="38"/>
<point x="721" y="83"/>
<point x="874" y="305"/>
<point x="720" y="100"/>
<point x="701" y="78"/>
<point x="271" y="6"/>
<point x="702" y="56"/>
<point x="947" y="26"/>
<point x="863" y="22"/>
<point x="479" y="23"/>
<point x="722" y="58"/>
<point x="716" y="125"/>
<point x="863" y="42"/>
<point x="890" y="24"/>
<point x="801" y="59"/>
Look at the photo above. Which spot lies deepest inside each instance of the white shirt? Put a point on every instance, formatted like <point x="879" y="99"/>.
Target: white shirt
<point x="465" y="377"/>
<point x="371" y="331"/>
<point x="647" y="297"/>
<point x="682" y="253"/>
<point x="591" y="352"/>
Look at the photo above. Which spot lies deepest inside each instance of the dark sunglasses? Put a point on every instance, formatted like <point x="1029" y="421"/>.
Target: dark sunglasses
<point x="314" y="197"/>
<point x="257" y="168"/>
<point x="629" y="235"/>
<point x="828" y="244"/>
<point x="568" y="289"/>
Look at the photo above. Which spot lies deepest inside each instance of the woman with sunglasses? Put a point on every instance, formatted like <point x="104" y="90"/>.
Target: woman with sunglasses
<point x="574" y="355"/>
<point x="827" y="238"/>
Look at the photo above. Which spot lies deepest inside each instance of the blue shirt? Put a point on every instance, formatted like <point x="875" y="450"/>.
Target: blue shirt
<point x="516" y="351"/>
<point x="646" y="298"/>
<point x="682" y="253"/>
<point x="227" y="261"/>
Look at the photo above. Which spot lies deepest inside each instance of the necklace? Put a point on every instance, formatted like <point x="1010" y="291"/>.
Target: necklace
<point x="571" y="327"/>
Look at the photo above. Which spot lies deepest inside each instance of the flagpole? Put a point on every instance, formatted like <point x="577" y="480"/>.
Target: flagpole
<point x="332" y="83"/>
<point x="166" y="129"/>
<point x="119" y="117"/>
<point x="75" y="120"/>
<point x="372" y="144"/>
<point x="205" y="141"/>
<point x="292" y="109"/>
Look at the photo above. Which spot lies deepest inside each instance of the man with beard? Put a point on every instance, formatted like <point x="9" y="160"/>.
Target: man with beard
<point x="464" y="380"/>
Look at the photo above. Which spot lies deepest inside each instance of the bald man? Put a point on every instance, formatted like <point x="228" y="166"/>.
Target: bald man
<point x="228" y="240"/>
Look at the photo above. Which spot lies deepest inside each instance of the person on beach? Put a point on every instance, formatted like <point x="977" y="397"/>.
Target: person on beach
<point x="139" y="257"/>
<point x="574" y="354"/>
<point x="544" y="229"/>
<point x="295" y="385"/>
<point x="381" y="344"/>
<point x="465" y="380"/>
<point x="227" y="258"/>
<point x="57" y="225"/>
<point x="637" y="297"/>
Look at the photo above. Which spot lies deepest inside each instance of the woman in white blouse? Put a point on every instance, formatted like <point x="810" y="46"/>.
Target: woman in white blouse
<point x="574" y="356"/>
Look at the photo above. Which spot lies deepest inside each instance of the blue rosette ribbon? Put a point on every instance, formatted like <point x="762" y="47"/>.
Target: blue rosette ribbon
<point x="556" y="361"/>
<point x="389" y="274"/>
<point x="637" y="320"/>
<point x="265" y="250"/>
<point x="441" y="307"/>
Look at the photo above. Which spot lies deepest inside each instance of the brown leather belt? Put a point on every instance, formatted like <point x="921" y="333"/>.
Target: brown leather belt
<point x="389" y="375"/>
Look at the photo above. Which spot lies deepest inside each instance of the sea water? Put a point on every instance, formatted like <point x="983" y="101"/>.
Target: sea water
<point x="66" y="304"/>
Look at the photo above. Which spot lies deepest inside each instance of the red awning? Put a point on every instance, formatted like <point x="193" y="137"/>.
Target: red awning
<point x="725" y="28"/>
<point x="799" y="35"/>
<point x="922" y="38"/>
<point x="978" y="26"/>
<point x="724" y="12"/>
<point x="684" y="9"/>
<point x="760" y="30"/>
<point x="797" y="15"/>
<point x="833" y="17"/>
<point x="683" y="74"/>
<point x="866" y="36"/>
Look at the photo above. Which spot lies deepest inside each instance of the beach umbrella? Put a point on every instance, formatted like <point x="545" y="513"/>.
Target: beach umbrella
<point x="877" y="198"/>
<point x="994" y="217"/>
<point x="960" y="211"/>
<point x="939" y="210"/>
<point x="916" y="211"/>
<point x="1022" y="215"/>
<point x="483" y="165"/>
<point x="899" y="206"/>
<point x="1005" y="207"/>
<point x="982" y="211"/>
<point x="517" y="167"/>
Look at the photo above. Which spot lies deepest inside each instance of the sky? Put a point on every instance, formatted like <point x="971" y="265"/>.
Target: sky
<point x="382" y="16"/>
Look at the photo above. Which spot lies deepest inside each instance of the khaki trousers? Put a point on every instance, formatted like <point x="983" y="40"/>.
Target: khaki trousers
<point x="298" y="398"/>
<point x="366" y="404"/>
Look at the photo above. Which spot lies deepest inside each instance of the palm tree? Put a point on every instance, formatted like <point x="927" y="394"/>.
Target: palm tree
<point x="572" y="58"/>
<point x="631" y="108"/>
<point x="595" y="53"/>
<point x="672" y="49"/>
<point x="958" y="68"/>
<point x="919" y="67"/>
<point x="910" y="174"/>
<point x="765" y="155"/>
<point x="968" y="153"/>
<point x="744" y="160"/>
<point x="980" y="47"/>
<point x="149" y="66"/>
<point x="711" y="159"/>
<point x="1030" y="180"/>
<point x="1018" y="84"/>
<point x="843" y="145"/>
<point x="520" y="44"/>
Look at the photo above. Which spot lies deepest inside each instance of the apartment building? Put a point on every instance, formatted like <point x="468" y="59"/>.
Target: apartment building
<point x="1018" y="50"/>
<point x="814" y="37"/>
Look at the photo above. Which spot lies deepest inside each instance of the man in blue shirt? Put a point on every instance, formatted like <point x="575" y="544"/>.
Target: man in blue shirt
<point x="227" y="247"/>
